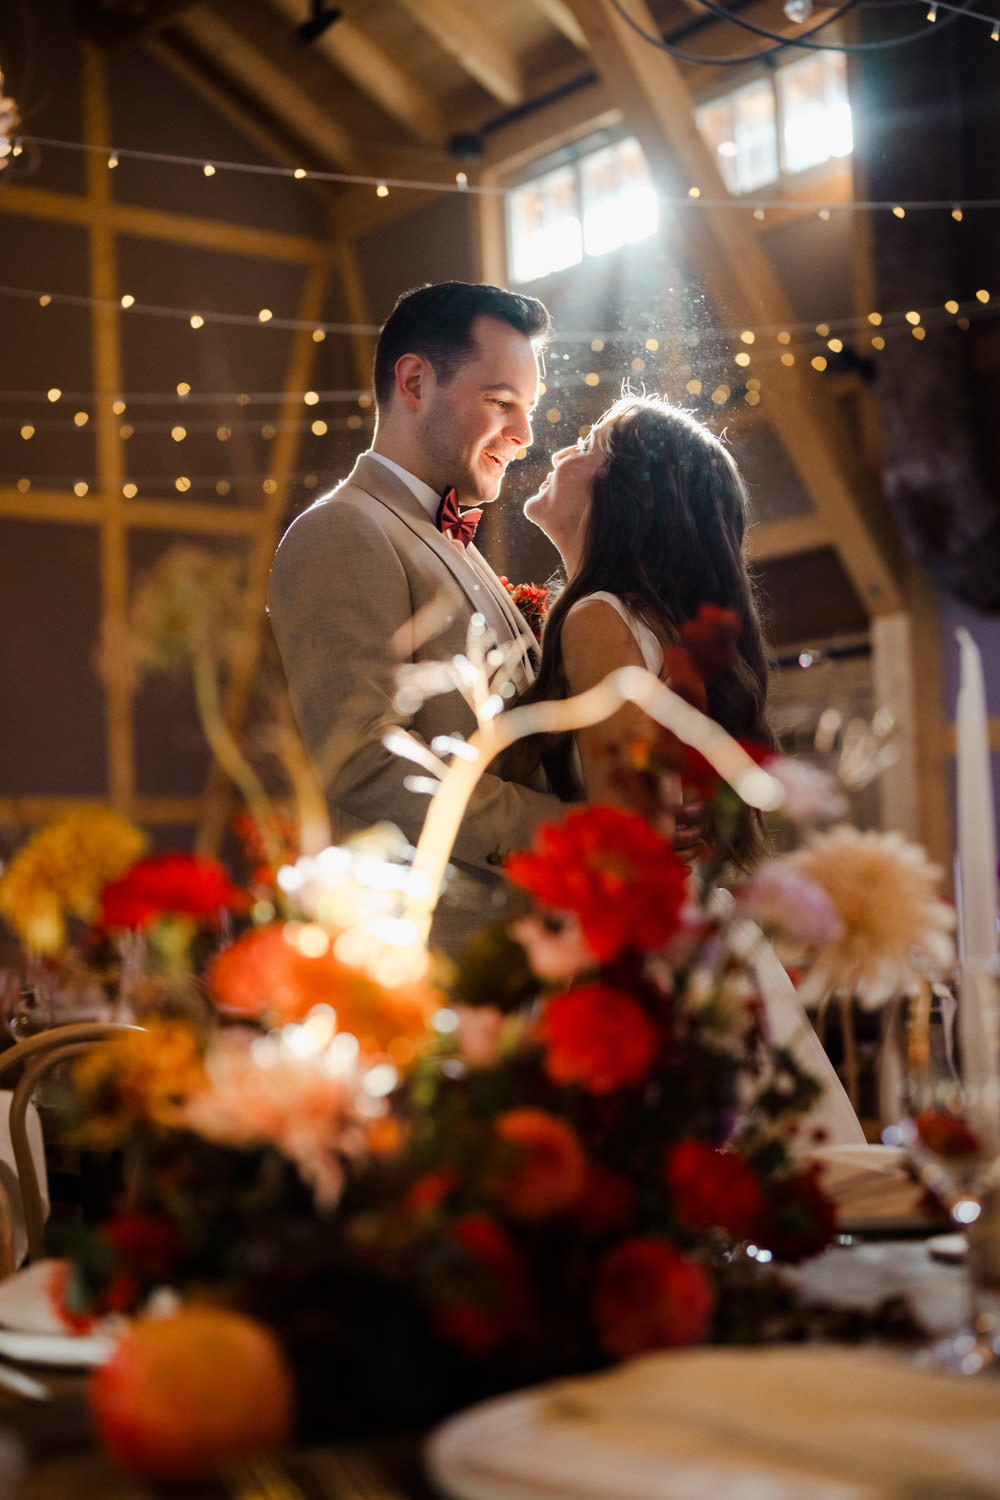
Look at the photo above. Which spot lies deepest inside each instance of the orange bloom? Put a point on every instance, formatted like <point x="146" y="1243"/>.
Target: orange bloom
<point x="547" y="1169"/>
<point x="648" y="1296"/>
<point x="599" y="1038"/>
<point x="139" y="1077"/>
<point x="267" y="977"/>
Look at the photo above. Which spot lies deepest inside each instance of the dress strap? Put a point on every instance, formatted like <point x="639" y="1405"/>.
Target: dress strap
<point x="649" y="647"/>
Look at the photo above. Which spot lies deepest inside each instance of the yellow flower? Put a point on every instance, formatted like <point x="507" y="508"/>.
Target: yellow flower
<point x="138" y="1078"/>
<point x="62" y="870"/>
<point x="895" y="925"/>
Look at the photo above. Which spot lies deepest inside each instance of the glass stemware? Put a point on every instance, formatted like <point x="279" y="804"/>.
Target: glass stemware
<point x="941" y="1087"/>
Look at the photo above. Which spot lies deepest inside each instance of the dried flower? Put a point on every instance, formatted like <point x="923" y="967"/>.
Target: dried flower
<point x="885" y="892"/>
<point x="187" y="605"/>
<point x="649" y="1296"/>
<point x="61" y="871"/>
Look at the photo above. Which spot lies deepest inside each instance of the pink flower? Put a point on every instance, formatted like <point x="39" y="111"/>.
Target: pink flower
<point x="289" y="1103"/>
<point x="479" y="1034"/>
<point x="558" y="954"/>
<point x="811" y="794"/>
<point x="781" y="900"/>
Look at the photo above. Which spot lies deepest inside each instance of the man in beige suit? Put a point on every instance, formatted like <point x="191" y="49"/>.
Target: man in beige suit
<point x="456" y="379"/>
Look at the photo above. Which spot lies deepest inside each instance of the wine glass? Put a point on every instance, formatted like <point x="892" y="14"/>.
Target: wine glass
<point x="941" y="1088"/>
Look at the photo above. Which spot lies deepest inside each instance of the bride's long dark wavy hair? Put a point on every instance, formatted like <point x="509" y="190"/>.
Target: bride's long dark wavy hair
<point x="665" y="533"/>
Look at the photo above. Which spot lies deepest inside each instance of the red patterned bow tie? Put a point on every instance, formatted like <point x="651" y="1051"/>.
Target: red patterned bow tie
<point x="461" y="525"/>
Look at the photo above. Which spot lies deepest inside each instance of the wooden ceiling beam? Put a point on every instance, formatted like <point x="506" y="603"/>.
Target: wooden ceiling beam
<point x="563" y="19"/>
<point x="742" y="282"/>
<point x="266" y="79"/>
<point x="377" y="74"/>
<point x="459" y="33"/>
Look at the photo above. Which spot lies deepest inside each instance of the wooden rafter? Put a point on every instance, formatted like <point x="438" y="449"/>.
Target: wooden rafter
<point x="377" y="74"/>
<point x="247" y="651"/>
<point x="742" y="282"/>
<point x="563" y="19"/>
<point x="260" y="75"/>
<point x="457" y="31"/>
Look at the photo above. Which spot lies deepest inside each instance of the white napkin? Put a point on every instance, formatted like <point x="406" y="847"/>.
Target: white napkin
<point x="825" y="1423"/>
<point x="33" y="1326"/>
<point x="868" y="1182"/>
<point x="8" y="1171"/>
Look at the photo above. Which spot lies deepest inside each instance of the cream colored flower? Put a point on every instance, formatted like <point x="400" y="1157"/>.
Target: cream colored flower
<point x="189" y="604"/>
<point x="896" y="926"/>
<point x="61" y="871"/>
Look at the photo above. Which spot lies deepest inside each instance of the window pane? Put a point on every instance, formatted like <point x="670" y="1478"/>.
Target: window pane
<point x="740" y="129"/>
<point x="816" y="111"/>
<point x="619" y="200"/>
<point x="545" y="225"/>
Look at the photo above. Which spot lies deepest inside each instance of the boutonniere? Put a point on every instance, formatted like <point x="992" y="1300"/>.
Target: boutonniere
<point x="532" y="601"/>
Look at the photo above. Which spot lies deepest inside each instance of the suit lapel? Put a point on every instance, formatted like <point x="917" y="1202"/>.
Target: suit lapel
<point x="468" y="568"/>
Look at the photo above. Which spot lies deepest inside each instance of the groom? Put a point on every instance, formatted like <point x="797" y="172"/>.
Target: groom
<point x="456" y="380"/>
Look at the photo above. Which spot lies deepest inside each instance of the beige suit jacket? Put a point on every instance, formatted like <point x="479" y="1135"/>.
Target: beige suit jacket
<point x="349" y="576"/>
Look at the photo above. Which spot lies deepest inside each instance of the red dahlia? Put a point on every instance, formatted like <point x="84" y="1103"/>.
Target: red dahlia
<point x="621" y="878"/>
<point x="648" y="1296"/>
<point x="714" y="1189"/>
<point x="598" y="1038"/>
<point x="191" y="885"/>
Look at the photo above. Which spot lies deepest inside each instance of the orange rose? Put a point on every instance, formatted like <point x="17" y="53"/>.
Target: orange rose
<point x="545" y="1172"/>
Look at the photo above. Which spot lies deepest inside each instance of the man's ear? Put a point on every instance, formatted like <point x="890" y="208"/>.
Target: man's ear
<point x="413" y="379"/>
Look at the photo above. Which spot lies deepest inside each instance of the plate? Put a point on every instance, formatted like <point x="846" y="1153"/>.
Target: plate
<point x="769" y="1423"/>
<point x="75" y="1352"/>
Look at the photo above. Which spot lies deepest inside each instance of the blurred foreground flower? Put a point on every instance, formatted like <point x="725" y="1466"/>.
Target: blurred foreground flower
<point x="61" y="871"/>
<point x="896" y="928"/>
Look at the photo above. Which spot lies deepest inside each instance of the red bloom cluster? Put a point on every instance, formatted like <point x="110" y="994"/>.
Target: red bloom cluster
<point x="606" y="1203"/>
<point x="478" y="1324"/>
<point x="191" y="885"/>
<point x="711" y="640"/>
<point x="620" y="877"/>
<point x="599" y="1038"/>
<point x="649" y="1296"/>
<point x="532" y="601"/>
<point x="799" y="1219"/>
<point x="714" y="1189"/>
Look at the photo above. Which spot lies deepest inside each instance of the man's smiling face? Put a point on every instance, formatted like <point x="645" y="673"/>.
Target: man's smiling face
<point x="472" y="426"/>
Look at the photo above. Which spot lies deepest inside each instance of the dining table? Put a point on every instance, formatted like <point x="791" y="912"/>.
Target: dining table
<point x="48" y="1450"/>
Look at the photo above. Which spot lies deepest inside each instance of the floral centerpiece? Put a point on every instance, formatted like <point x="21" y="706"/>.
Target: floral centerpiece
<point x="580" y="1145"/>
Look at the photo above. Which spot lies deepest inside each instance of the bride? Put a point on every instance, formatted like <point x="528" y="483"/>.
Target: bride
<point x="649" y="515"/>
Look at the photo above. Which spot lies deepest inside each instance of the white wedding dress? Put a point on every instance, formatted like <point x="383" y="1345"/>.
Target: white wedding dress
<point x="788" y="1025"/>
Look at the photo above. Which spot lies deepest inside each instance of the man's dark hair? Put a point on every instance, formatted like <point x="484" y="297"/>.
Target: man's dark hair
<point x="436" y="321"/>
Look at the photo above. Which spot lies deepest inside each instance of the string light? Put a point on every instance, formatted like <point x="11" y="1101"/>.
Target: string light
<point x="299" y="173"/>
<point x="128" y="300"/>
<point x="208" y="169"/>
<point x="382" y="191"/>
<point x="461" y="181"/>
<point x="995" y="33"/>
<point x="932" y="13"/>
<point x="112" y="161"/>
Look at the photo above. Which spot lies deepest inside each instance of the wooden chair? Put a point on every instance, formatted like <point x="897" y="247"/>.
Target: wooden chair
<point x="36" y="1056"/>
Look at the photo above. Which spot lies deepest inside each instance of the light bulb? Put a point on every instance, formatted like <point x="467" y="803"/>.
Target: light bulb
<point x="798" y="10"/>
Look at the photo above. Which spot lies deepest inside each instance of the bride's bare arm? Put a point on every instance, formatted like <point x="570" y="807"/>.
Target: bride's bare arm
<point x="596" y="641"/>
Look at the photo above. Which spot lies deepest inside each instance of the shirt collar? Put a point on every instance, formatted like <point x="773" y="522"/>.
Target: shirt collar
<point x="425" y="493"/>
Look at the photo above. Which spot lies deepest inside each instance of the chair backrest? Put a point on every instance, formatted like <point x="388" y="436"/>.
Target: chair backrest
<point x="36" y="1055"/>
